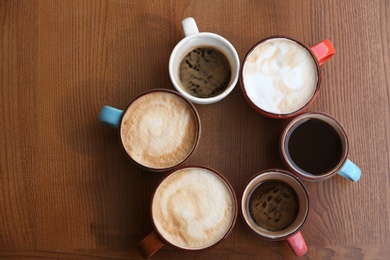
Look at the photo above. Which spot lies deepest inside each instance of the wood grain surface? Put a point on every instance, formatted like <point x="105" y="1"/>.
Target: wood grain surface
<point x="67" y="190"/>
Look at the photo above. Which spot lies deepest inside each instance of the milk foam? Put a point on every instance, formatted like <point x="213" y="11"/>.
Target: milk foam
<point x="280" y="76"/>
<point x="193" y="208"/>
<point x="159" y="130"/>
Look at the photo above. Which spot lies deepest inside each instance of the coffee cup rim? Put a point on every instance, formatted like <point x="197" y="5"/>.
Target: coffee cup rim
<point x="279" y="115"/>
<point x="235" y="62"/>
<point x="198" y="132"/>
<point x="341" y="132"/>
<point x="245" y="195"/>
<point x="232" y="192"/>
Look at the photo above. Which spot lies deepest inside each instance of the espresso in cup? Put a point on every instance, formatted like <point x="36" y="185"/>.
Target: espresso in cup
<point x="159" y="130"/>
<point x="274" y="206"/>
<point x="280" y="76"/>
<point x="204" y="72"/>
<point x="193" y="208"/>
<point x="203" y="66"/>
<point x="315" y="147"/>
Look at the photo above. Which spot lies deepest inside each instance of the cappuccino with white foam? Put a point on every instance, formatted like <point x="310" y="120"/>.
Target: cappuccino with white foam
<point x="159" y="130"/>
<point x="280" y="76"/>
<point x="193" y="208"/>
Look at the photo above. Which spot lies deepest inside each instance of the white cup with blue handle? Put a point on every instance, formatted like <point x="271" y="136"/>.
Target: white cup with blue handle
<point x="159" y="130"/>
<point x="315" y="147"/>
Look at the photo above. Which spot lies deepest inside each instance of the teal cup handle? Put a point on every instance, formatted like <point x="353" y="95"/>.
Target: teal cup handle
<point x="350" y="171"/>
<point x="110" y="116"/>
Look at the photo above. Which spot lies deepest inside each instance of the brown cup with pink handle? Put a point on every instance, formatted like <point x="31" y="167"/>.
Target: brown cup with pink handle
<point x="274" y="206"/>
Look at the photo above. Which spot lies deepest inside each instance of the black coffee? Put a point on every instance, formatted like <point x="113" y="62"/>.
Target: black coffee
<point x="314" y="146"/>
<point x="204" y="72"/>
<point x="273" y="205"/>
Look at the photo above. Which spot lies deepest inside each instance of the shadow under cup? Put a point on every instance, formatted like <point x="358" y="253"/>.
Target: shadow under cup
<point x="270" y="205"/>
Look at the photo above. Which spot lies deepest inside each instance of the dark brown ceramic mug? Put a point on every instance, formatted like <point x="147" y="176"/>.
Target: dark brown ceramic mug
<point x="280" y="76"/>
<point x="193" y="208"/>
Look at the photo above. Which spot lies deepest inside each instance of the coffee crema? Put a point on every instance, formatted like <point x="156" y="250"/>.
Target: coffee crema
<point x="159" y="130"/>
<point x="204" y="72"/>
<point x="280" y="76"/>
<point x="273" y="205"/>
<point x="193" y="208"/>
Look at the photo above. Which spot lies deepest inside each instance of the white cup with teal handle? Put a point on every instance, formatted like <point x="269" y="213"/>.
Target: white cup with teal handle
<point x="159" y="130"/>
<point x="315" y="147"/>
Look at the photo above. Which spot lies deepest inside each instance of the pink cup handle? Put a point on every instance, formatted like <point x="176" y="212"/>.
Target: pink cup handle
<point x="297" y="244"/>
<point x="323" y="51"/>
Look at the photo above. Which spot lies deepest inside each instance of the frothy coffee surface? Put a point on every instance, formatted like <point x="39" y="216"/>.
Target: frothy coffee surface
<point x="280" y="76"/>
<point x="193" y="208"/>
<point x="159" y="130"/>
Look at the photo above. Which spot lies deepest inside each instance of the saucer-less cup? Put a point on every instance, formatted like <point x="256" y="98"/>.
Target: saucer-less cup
<point x="159" y="130"/>
<point x="193" y="208"/>
<point x="203" y="66"/>
<point x="315" y="147"/>
<point x="280" y="76"/>
<point x="274" y="206"/>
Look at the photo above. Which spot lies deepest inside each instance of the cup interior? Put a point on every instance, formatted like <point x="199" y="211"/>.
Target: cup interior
<point x="170" y="144"/>
<point x="331" y="122"/>
<point x="194" y="208"/>
<point x="295" y="184"/>
<point x="203" y="39"/>
<point x="280" y="100"/>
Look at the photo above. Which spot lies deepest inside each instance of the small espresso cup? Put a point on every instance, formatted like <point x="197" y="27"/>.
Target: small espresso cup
<point x="193" y="208"/>
<point x="159" y="130"/>
<point x="280" y="76"/>
<point x="274" y="206"/>
<point x="203" y="66"/>
<point x="314" y="146"/>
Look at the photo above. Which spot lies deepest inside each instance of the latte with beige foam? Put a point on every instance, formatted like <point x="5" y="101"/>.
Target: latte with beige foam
<point x="193" y="208"/>
<point x="280" y="76"/>
<point x="159" y="130"/>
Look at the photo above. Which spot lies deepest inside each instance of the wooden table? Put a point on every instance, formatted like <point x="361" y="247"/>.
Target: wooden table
<point x="67" y="191"/>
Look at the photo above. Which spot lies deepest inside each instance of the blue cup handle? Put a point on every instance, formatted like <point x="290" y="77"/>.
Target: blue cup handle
<point x="110" y="116"/>
<point x="350" y="171"/>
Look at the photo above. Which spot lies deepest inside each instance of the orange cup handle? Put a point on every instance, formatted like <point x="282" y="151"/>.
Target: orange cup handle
<point x="323" y="51"/>
<point x="150" y="245"/>
<point x="297" y="244"/>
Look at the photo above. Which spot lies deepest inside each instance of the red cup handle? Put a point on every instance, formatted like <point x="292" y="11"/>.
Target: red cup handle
<point x="150" y="245"/>
<point x="323" y="51"/>
<point x="297" y="244"/>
